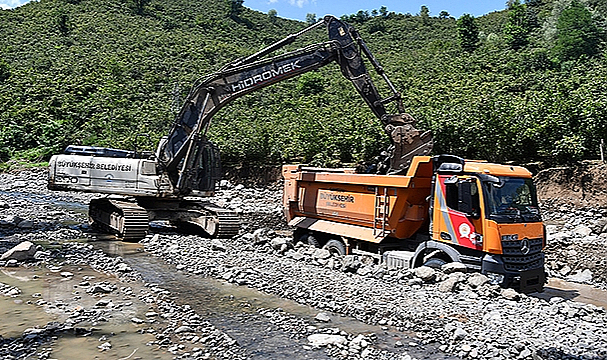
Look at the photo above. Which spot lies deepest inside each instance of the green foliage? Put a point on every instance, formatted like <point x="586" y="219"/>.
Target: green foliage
<point x="569" y="149"/>
<point x="310" y="84"/>
<point x="468" y="32"/>
<point x="311" y="18"/>
<point x="272" y="15"/>
<point x="115" y="74"/>
<point x="444" y="15"/>
<point x="140" y="6"/>
<point x="517" y="28"/>
<point x="5" y="71"/>
<point x="234" y="7"/>
<point x="577" y="34"/>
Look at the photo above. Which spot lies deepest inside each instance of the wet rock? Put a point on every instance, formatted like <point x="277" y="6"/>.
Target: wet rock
<point x="66" y="274"/>
<point x="9" y="291"/>
<point x="25" y="224"/>
<point x="137" y="320"/>
<point x="183" y="329"/>
<point x="322" y="317"/>
<point x="326" y="339"/>
<point x="22" y="252"/>
<point x="105" y="346"/>
<point x="99" y="288"/>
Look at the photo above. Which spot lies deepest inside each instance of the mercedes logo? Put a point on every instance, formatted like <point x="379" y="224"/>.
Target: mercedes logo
<point x="525" y="246"/>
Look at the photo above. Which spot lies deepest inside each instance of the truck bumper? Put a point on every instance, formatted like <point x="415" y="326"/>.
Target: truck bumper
<point x="526" y="281"/>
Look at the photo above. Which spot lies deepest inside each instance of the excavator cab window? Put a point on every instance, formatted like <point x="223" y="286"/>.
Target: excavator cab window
<point x="207" y="167"/>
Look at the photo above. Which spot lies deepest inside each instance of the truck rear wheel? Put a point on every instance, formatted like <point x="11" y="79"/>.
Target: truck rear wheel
<point x="335" y="247"/>
<point x="309" y="239"/>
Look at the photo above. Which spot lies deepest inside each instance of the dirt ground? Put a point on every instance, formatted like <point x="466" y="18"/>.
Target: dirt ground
<point x="583" y="185"/>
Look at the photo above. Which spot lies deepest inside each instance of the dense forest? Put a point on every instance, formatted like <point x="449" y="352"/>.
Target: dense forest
<point x="525" y="84"/>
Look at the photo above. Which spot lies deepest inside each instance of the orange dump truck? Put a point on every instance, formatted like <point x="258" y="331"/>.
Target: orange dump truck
<point x="445" y="209"/>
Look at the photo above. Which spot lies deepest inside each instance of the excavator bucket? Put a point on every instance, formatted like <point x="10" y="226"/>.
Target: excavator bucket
<point x="407" y="142"/>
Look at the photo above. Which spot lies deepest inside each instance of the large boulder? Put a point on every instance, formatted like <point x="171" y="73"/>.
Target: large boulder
<point x="22" y="252"/>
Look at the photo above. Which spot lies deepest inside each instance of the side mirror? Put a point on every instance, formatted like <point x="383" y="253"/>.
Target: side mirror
<point x="466" y="202"/>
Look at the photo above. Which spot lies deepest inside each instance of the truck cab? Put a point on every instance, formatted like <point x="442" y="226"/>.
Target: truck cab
<point x="490" y="213"/>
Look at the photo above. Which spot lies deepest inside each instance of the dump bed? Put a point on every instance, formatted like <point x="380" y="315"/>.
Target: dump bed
<point x="361" y="206"/>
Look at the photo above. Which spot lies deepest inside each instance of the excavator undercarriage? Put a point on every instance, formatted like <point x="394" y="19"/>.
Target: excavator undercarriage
<point x="128" y="218"/>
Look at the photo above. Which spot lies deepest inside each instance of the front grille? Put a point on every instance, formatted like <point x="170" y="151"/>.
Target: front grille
<point x="515" y="260"/>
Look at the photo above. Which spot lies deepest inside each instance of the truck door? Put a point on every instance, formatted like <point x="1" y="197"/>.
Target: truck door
<point x="456" y="216"/>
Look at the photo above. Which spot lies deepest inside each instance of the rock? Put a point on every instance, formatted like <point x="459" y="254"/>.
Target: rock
<point x="477" y="280"/>
<point x="584" y="276"/>
<point x="26" y="224"/>
<point x="12" y="263"/>
<point x="427" y="274"/>
<point x="66" y="274"/>
<point x="448" y="285"/>
<point x="105" y="346"/>
<point x="103" y="303"/>
<point x="582" y="230"/>
<point x="326" y="339"/>
<point x="510" y="294"/>
<point x="351" y="263"/>
<point x="22" y="252"/>
<point x="123" y="268"/>
<point x="277" y="243"/>
<point x="321" y="254"/>
<point x="452" y="267"/>
<point x="99" y="289"/>
<point x="151" y="314"/>
<point x="183" y="329"/>
<point x="466" y="348"/>
<point x="137" y="320"/>
<point x="217" y="245"/>
<point x="322" y="317"/>
<point x="459" y="334"/>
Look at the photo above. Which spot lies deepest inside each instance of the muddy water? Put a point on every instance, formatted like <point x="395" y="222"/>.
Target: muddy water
<point x="63" y="297"/>
<point x="573" y="291"/>
<point x="233" y="309"/>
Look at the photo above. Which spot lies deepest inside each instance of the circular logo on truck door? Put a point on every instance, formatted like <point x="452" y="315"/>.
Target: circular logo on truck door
<point x="525" y="246"/>
<point x="464" y="230"/>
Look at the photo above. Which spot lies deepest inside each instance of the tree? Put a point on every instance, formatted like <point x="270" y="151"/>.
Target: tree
<point x="517" y="28"/>
<point x="424" y="13"/>
<point x="140" y="6"/>
<point x="234" y="7"/>
<point x="577" y="34"/>
<point x="272" y="14"/>
<point x="311" y="18"/>
<point x="468" y="32"/>
<point x="383" y="11"/>
<point x="444" y="15"/>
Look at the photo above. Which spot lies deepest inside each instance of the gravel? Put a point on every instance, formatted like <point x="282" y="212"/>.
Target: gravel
<point x="459" y="313"/>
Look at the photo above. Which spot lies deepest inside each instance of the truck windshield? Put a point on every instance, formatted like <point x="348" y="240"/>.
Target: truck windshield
<point x="511" y="200"/>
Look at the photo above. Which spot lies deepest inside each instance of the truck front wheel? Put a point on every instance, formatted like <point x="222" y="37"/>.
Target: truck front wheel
<point x="435" y="263"/>
<point x="335" y="247"/>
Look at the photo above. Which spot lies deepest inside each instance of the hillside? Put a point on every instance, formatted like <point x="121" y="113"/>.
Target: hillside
<point x="100" y="73"/>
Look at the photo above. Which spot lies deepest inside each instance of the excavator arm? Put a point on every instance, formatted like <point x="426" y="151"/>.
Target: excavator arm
<point x="178" y="153"/>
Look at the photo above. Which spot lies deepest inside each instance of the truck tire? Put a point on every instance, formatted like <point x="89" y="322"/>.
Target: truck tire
<point x="435" y="263"/>
<point x="335" y="247"/>
<point x="309" y="239"/>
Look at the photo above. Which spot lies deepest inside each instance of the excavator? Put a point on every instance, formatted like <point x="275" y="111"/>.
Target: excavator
<point x="177" y="182"/>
